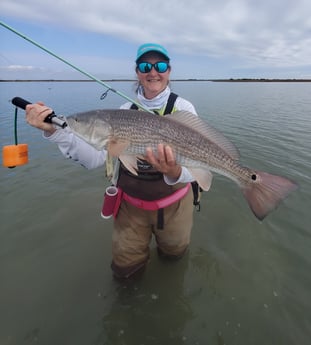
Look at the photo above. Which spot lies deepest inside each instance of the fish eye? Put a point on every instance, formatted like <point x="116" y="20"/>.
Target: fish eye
<point x="254" y="177"/>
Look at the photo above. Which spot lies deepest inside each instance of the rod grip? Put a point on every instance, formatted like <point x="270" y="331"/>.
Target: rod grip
<point x="20" y="102"/>
<point x="51" y="118"/>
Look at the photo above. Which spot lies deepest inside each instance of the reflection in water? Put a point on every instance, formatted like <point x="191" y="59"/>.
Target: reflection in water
<point x="152" y="309"/>
<point x="158" y="306"/>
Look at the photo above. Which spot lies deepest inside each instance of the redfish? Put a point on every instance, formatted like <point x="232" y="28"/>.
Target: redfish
<point x="196" y="145"/>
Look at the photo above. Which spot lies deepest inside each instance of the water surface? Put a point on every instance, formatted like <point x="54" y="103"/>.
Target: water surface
<point x="242" y="282"/>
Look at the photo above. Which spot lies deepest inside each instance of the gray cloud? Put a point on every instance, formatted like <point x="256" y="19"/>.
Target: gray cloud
<point x="264" y="33"/>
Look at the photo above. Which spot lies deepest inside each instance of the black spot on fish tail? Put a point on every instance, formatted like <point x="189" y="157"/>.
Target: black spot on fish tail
<point x="267" y="192"/>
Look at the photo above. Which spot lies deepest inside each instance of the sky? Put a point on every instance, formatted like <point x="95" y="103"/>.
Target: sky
<point x="206" y="39"/>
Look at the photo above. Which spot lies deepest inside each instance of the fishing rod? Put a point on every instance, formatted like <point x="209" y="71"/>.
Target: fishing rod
<point x="51" y="118"/>
<point x="14" y="155"/>
<point x="109" y="88"/>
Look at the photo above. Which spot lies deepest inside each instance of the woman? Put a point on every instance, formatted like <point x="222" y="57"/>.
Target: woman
<point x="159" y="177"/>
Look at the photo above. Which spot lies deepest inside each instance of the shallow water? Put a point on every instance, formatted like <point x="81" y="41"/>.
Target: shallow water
<point x="242" y="282"/>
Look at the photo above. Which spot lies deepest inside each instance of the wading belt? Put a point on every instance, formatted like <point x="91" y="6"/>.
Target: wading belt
<point x="154" y="205"/>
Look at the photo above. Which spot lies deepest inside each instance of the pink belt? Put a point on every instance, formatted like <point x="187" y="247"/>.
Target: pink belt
<point x="156" y="204"/>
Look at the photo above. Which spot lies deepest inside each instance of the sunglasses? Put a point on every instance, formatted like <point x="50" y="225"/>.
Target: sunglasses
<point x="146" y="67"/>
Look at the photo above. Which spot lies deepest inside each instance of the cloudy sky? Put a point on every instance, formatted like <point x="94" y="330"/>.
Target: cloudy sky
<point x="205" y="38"/>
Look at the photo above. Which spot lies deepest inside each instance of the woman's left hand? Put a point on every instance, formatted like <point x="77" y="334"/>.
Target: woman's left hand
<point x="164" y="161"/>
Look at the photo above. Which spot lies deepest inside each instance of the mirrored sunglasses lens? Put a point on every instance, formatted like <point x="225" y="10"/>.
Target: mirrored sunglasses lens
<point x="144" y="67"/>
<point x="161" y="67"/>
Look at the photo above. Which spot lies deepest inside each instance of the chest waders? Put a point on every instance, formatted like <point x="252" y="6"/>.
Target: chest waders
<point x="143" y="173"/>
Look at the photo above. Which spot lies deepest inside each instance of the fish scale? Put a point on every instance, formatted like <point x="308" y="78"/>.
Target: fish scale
<point x="162" y="132"/>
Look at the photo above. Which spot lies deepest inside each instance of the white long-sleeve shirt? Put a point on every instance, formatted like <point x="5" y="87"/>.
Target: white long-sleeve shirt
<point x="73" y="147"/>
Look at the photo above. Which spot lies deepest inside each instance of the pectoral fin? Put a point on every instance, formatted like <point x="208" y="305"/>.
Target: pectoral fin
<point x="130" y="162"/>
<point x="203" y="177"/>
<point x="117" y="147"/>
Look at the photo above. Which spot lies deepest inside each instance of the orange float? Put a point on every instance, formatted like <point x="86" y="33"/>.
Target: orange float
<point x="14" y="155"/>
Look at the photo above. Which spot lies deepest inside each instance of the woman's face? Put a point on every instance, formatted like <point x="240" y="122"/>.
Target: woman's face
<point x="153" y="82"/>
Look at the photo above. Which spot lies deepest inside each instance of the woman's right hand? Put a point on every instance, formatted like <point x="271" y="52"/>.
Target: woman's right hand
<point x="36" y="114"/>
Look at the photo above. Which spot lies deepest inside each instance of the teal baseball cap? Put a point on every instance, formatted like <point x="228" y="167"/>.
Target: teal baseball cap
<point x="151" y="47"/>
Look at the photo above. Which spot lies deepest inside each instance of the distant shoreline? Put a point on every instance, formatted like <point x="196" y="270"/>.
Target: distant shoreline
<point x="231" y="80"/>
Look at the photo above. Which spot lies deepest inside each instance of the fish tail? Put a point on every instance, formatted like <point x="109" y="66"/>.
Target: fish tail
<point x="266" y="192"/>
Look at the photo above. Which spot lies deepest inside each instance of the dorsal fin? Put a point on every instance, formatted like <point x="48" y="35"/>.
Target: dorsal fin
<point x="202" y="127"/>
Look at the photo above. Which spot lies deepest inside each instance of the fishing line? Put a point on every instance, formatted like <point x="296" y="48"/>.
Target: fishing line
<point x="75" y="67"/>
<point x="15" y="126"/>
<point x="14" y="155"/>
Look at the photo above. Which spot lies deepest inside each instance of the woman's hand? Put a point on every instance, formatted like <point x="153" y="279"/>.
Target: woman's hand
<point x="164" y="161"/>
<point x="36" y="114"/>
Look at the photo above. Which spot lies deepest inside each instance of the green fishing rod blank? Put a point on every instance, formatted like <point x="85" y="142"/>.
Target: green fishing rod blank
<point x="75" y="67"/>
